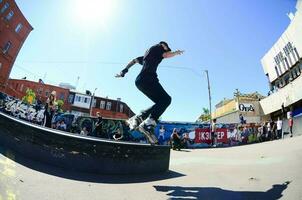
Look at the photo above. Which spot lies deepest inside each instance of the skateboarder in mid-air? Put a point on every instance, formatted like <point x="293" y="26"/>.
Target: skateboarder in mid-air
<point x="148" y="83"/>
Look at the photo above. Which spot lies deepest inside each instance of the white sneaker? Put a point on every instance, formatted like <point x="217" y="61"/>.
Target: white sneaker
<point x="148" y="123"/>
<point x="147" y="128"/>
<point x="134" y="121"/>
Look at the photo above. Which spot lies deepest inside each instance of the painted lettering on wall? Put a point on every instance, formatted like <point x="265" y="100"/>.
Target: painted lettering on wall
<point x="244" y="107"/>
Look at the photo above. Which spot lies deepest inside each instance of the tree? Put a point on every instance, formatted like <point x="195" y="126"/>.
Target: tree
<point x="60" y="104"/>
<point x="205" y="116"/>
<point x="30" y="97"/>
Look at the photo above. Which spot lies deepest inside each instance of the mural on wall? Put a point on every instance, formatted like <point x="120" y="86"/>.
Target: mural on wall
<point x="166" y="128"/>
<point x="21" y="110"/>
<point x="74" y="124"/>
<point x="198" y="133"/>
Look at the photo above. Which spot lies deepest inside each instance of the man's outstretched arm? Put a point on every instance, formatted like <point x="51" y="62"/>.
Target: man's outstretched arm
<point x="130" y="64"/>
<point x="171" y="54"/>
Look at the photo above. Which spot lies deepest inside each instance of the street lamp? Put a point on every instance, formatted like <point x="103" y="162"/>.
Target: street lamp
<point x="210" y="99"/>
<point x="92" y="100"/>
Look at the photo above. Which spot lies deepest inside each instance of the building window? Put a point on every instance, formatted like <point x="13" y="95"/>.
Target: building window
<point x="62" y="96"/>
<point x="277" y="72"/>
<point x="40" y="91"/>
<point x="78" y="99"/>
<point x="102" y="104"/>
<point x="18" y="28"/>
<point x="296" y="71"/>
<point x="9" y="15"/>
<point x="21" y="87"/>
<point x="108" y="106"/>
<point x="46" y="93"/>
<point x="70" y="98"/>
<point x="286" y="78"/>
<point x="4" y="8"/>
<point x="121" y="108"/>
<point x="7" y="47"/>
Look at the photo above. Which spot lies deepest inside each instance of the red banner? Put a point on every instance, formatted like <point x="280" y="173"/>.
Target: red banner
<point x="203" y="135"/>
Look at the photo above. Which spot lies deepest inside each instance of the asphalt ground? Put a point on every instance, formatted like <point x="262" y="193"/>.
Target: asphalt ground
<point x="270" y="170"/>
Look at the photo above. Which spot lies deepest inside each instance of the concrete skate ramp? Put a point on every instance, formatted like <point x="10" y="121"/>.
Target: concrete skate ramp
<point x="81" y="153"/>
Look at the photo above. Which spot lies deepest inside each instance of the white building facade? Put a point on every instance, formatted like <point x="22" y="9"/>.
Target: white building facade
<point x="282" y="65"/>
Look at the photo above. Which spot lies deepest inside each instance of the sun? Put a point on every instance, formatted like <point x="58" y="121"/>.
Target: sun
<point x="94" y="13"/>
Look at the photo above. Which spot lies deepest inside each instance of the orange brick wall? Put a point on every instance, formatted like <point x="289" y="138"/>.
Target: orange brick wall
<point x="17" y="88"/>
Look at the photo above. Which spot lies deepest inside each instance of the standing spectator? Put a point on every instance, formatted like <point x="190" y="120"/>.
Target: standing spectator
<point x="269" y="131"/>
<point x="161" y="137"/>
<point x="239" y="134"/>
<point x="245" y="135"/>
<point x="98" y="130"/>
<point x="264" y="132"/>
<point x="50" y="108"/>
<point x="213" y="133"/>
<point x="241" y="119"/>
<point x="274" y="129"/>
<point x="279" y="128"/>
<point x="176" y="141"/>
<point x="290" y="124"/>
<point x="38" y="105"/>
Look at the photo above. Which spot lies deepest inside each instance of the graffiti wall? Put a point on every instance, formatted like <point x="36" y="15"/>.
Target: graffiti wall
<point x="166" y="129"/>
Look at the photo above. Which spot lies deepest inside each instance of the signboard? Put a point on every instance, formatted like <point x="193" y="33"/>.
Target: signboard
<point x="245" y="107"/>
<point x="203" y="135"/>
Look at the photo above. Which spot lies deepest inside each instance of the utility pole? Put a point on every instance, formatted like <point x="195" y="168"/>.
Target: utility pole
<point x="210" y="99"/>
<point x="92" y="100"/>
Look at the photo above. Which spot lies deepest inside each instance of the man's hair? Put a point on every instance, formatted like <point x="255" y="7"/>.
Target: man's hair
<point x="166" y="44"/>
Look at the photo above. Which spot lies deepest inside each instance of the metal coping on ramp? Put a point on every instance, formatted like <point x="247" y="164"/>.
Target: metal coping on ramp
<point x="81" y="153"/>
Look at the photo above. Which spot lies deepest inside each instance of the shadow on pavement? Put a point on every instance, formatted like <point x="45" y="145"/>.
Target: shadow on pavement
<point x="182" y="150"/>
<point x="87" y="177"/>
<point x="212" y="193"/>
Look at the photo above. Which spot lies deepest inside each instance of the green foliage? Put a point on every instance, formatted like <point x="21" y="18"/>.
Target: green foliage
<point x="60" y="104"/>
<point x="30" y="97"/>
<point x="205" y="116"/>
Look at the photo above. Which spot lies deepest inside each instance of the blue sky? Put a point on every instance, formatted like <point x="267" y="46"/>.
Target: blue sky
<point x="226" y="37"/>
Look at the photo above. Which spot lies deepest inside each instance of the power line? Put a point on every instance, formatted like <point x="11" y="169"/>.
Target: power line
<point x="108" y="63"/>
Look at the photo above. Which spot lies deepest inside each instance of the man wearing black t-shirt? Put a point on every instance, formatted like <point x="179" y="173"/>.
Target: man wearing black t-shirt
<point x="148" y="83"/>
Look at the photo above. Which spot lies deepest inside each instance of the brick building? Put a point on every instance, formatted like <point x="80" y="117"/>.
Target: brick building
<point x="74" y="102"/>
<point x="14" y="29"/>
<point x="108" y="108"/>
<point x="18" y="87"/>
<point x="111" y="108"/>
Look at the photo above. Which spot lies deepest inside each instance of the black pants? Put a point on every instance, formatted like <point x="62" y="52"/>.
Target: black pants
<point x="279" y="132"/>
<point x="150" y="86"/>
<point x="48" y="115"/>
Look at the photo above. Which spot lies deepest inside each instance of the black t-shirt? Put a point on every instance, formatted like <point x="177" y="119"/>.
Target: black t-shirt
<point x="140" y="60"/>
<point x="152" y="58"/>
<point x="99" y="124"/>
